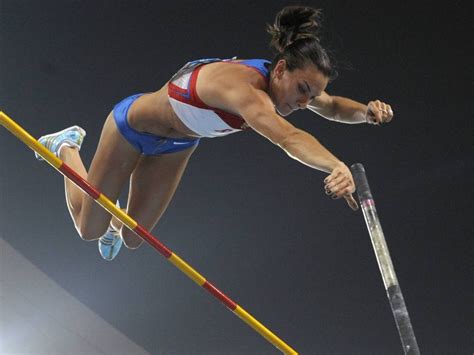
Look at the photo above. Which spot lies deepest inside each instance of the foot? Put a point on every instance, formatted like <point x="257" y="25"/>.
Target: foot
<point x="71" y="137"/>
<point x="110" y="244"/>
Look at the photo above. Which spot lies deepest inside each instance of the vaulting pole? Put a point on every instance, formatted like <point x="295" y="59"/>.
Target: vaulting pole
<point x="394" y="292"/>
<point x="102" y="200"/>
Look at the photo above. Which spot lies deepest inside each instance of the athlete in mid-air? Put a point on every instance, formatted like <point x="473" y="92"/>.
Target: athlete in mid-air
<point x="149" y="138"/>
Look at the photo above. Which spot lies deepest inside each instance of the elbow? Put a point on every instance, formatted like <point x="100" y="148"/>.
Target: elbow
<point x="333" y="112"/>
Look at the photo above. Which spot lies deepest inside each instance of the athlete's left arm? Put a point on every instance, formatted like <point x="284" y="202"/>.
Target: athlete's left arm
<point x="341" y="109"/>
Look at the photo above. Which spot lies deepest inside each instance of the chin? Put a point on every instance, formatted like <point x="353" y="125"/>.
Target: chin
<point x="283" y="112"/>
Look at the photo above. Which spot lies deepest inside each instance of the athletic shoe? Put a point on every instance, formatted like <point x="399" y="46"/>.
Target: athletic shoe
<point x="71" y="137"/>
<point x="110" y="243"/>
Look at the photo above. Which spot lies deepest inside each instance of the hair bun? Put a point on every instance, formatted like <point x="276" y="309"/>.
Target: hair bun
<point x="293" y="23"/>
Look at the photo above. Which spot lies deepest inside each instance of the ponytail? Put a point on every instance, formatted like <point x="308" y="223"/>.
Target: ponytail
<point x="295" y="38"/>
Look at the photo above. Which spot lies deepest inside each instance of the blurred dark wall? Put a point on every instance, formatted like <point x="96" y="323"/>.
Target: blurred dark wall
<point x="249" y="219"/>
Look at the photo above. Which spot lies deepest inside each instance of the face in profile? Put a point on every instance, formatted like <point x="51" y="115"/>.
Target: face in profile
<point x="294" y="90"/>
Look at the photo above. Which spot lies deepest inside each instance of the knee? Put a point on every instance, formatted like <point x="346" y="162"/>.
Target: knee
<point x="90" y="233"/>
<point x="130" y="239"/>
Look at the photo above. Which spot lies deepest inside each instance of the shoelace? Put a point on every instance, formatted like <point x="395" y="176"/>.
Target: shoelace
<point x="50" y="142"/>
<point x="106" y="240"/>
<point x="109" y="237"/>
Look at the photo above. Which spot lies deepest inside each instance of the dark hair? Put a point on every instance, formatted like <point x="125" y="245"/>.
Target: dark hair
<point x="295" y="38"/>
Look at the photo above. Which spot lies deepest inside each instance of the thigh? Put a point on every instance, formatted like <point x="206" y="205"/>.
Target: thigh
<point x="111" y="167"/>
<point x="152" y="185"/>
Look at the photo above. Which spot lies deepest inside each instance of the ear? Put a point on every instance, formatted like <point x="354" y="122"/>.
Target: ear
<point x="280" y="68"/>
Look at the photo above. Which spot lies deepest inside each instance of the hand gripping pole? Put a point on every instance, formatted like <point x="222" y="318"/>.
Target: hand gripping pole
<point x="394" y="293"/>
<point x="102" y="200"/>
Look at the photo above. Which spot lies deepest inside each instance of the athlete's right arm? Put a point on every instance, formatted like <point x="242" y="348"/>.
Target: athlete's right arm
<point x="257" y="109"/>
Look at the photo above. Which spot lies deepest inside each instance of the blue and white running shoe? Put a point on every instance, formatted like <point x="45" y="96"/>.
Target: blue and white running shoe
<point x="71" y="137"/>
<point x="110" y="243"/>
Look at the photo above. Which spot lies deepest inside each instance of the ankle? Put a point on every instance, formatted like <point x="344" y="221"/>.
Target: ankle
<point x="66" y="150"/>
<point x="116" y="223"/>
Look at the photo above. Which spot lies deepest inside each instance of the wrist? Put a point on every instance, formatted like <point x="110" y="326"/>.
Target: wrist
<point x="336" y="164"/>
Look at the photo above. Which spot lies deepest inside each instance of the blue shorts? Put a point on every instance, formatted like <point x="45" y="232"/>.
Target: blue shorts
<point x="147" y="143"/>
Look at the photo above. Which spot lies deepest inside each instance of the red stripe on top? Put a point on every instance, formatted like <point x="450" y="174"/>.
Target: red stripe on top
<point x="81" y="182"/>
<point x="220" y="296"/>
<point x="155" y="243"/>
<point x="174" y="91"/>
<point x="232" y="120"/>
<point x="192" y="88"/>
<point x="178" y="89"/>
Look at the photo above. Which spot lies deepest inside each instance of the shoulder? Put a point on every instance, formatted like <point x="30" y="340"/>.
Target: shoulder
<point x="227" y="73"/>
<point x="228" y="86"/>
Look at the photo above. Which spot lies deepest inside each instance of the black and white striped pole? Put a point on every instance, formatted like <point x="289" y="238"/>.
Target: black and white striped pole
<point x="394" y="293"/>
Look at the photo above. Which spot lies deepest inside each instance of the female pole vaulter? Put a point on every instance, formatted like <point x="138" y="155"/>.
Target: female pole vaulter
<point x="149" y="137"/>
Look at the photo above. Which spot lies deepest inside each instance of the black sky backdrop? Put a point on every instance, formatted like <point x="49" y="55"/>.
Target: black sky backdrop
<point x="250" y="219"/>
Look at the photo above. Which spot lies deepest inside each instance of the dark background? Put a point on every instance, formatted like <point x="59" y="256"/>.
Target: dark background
<point x="251" y="220"/>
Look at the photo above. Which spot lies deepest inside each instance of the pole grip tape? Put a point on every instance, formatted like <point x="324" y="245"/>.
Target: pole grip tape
<point x="360" y="180"/>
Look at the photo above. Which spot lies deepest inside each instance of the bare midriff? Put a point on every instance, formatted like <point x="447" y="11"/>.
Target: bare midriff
<point x="152" y="113"/>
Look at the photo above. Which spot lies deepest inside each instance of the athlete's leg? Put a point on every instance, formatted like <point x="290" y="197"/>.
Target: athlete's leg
<point x="74" y="195"/>
<point x="110" y="169"/>
<point x="152" y="185"/>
